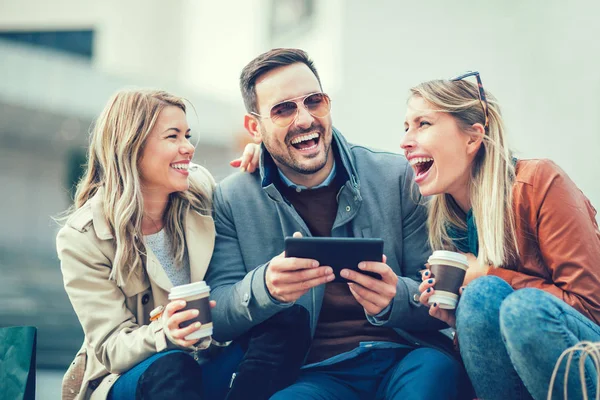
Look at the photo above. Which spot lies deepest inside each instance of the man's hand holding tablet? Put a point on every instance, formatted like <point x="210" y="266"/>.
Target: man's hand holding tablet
<point x="288" y="278"/>
<point x="358" y="261"/>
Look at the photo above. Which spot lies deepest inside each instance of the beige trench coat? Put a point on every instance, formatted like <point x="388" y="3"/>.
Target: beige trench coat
<point x="116" y="320"/>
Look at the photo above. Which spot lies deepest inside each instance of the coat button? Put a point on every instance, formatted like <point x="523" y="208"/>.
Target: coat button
<point x="145" y="299"/>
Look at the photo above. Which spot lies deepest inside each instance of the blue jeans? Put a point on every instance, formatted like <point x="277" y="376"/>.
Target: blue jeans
<point x="510" y="341"/>
<point x="214" y="376"/>
<point x="398" y="373"/>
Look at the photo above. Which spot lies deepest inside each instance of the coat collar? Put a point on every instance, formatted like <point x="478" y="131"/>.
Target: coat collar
<point x="101" y="225"/>
<point x="199" y="236"/>
<point x="200" y="241"/>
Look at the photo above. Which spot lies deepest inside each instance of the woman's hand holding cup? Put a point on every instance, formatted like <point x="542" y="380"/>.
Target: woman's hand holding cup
<point x="447" y="269"/>
<point x="172" y="318"/>
<point x="427" y="290"/>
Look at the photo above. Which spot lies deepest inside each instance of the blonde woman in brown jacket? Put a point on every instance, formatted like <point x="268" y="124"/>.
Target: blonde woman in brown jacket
<point x="530" y="235"/>
<point x="141" y="223"/>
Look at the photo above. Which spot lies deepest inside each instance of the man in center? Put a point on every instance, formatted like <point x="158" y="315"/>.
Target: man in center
<point x="370" y="337"/>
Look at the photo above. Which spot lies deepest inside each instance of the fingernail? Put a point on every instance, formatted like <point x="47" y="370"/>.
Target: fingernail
<point x="330" y="277"/>
<point x="426" y="273"/>
<point x="196" y="312"/>
<point x="428" y="290"/>
<point x="315" y="264"/>
<point x="361" y="265"/>
<point x="328" y="271"/>
<point x="344" y="273"/>
<point x="197" y="325"/>
<point x="430" y="281"/>
<point x="243" y="169"/>
<point x="182" y="303"/>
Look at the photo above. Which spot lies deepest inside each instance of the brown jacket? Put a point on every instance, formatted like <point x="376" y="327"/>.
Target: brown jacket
<point x="558" y="238"/>
<point x="115" y="320"/>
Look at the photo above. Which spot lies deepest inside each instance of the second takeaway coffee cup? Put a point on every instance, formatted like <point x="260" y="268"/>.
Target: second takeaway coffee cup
<point x="448" y="268"/>
<point x="196" y="296"/>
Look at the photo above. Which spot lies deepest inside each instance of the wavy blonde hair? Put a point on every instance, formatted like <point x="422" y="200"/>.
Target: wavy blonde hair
<point x="492" y="175"/>
<point x="116" y="146"/>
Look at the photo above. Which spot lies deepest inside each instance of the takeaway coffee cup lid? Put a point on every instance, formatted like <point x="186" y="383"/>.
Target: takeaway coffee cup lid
<point x="444" y="255"/>
<point x="191" y="289"/>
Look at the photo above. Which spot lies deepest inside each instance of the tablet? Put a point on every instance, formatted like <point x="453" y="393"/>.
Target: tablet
<point x="339" y="253"/>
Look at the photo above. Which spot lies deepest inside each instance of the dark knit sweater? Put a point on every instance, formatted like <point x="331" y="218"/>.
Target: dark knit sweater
<point x="342" y="323"/>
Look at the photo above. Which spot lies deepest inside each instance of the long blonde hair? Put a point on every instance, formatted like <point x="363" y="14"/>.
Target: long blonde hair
<point x="116" y="145"/>
<point x="492" y="175"/>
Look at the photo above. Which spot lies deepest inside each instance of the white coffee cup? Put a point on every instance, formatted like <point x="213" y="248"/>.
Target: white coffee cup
<point x="448" y="268"/>
<point x="196" y="296"/>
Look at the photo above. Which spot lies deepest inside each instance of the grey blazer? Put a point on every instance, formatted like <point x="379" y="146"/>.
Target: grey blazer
<point x="252" y="219"/>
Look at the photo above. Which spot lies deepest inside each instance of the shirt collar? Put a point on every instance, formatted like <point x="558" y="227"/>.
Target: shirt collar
<point x="299" y="188"/>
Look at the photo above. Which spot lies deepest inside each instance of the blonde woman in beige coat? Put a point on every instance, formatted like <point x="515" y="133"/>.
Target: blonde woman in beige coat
<point x="141" y="223"/>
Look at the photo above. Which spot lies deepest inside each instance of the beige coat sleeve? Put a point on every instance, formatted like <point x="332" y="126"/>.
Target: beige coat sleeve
<point x="110" y="328"/>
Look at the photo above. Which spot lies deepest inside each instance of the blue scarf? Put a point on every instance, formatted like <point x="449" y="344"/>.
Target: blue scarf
<point x="465" y="240"/>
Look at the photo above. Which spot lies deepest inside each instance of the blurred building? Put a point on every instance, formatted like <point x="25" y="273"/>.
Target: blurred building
<point x="61" y="60"/>
<point x="59" y="63"/>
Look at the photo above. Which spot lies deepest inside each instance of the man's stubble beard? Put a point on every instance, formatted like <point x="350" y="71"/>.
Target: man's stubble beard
<point x="288" y="159"/>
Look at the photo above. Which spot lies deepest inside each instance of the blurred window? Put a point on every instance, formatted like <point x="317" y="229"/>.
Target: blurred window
<point x="73" y="42"/>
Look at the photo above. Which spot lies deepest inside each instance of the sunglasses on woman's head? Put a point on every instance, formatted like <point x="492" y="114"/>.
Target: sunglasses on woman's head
<point x="482" y="97"/>
<point x="285" y="113"/>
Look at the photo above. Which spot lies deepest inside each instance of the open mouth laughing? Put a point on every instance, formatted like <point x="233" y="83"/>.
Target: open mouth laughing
<point x="181" y="167"/>
<point x="306" y="142"/>
<point x="421" y="165"/>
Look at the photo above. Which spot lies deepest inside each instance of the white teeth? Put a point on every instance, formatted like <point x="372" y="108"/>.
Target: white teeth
<point x="305" y="138"/>
<point x="418" y="160"/>
<point x="180" y="166"/>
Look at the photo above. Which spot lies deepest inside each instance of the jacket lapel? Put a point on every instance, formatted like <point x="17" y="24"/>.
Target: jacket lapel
<point x="101" y="225"/>
<point x="137" y="282"/>
<point x="200" y="241"/>
<point x="156" y="272"/>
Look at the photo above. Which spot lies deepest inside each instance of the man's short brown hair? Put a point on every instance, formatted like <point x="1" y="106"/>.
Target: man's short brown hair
<point x="266" y="62"/>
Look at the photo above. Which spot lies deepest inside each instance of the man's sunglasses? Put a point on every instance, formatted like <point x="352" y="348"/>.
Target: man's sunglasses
<point x="285" y="113"/>
<point x="482" y="97"/>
